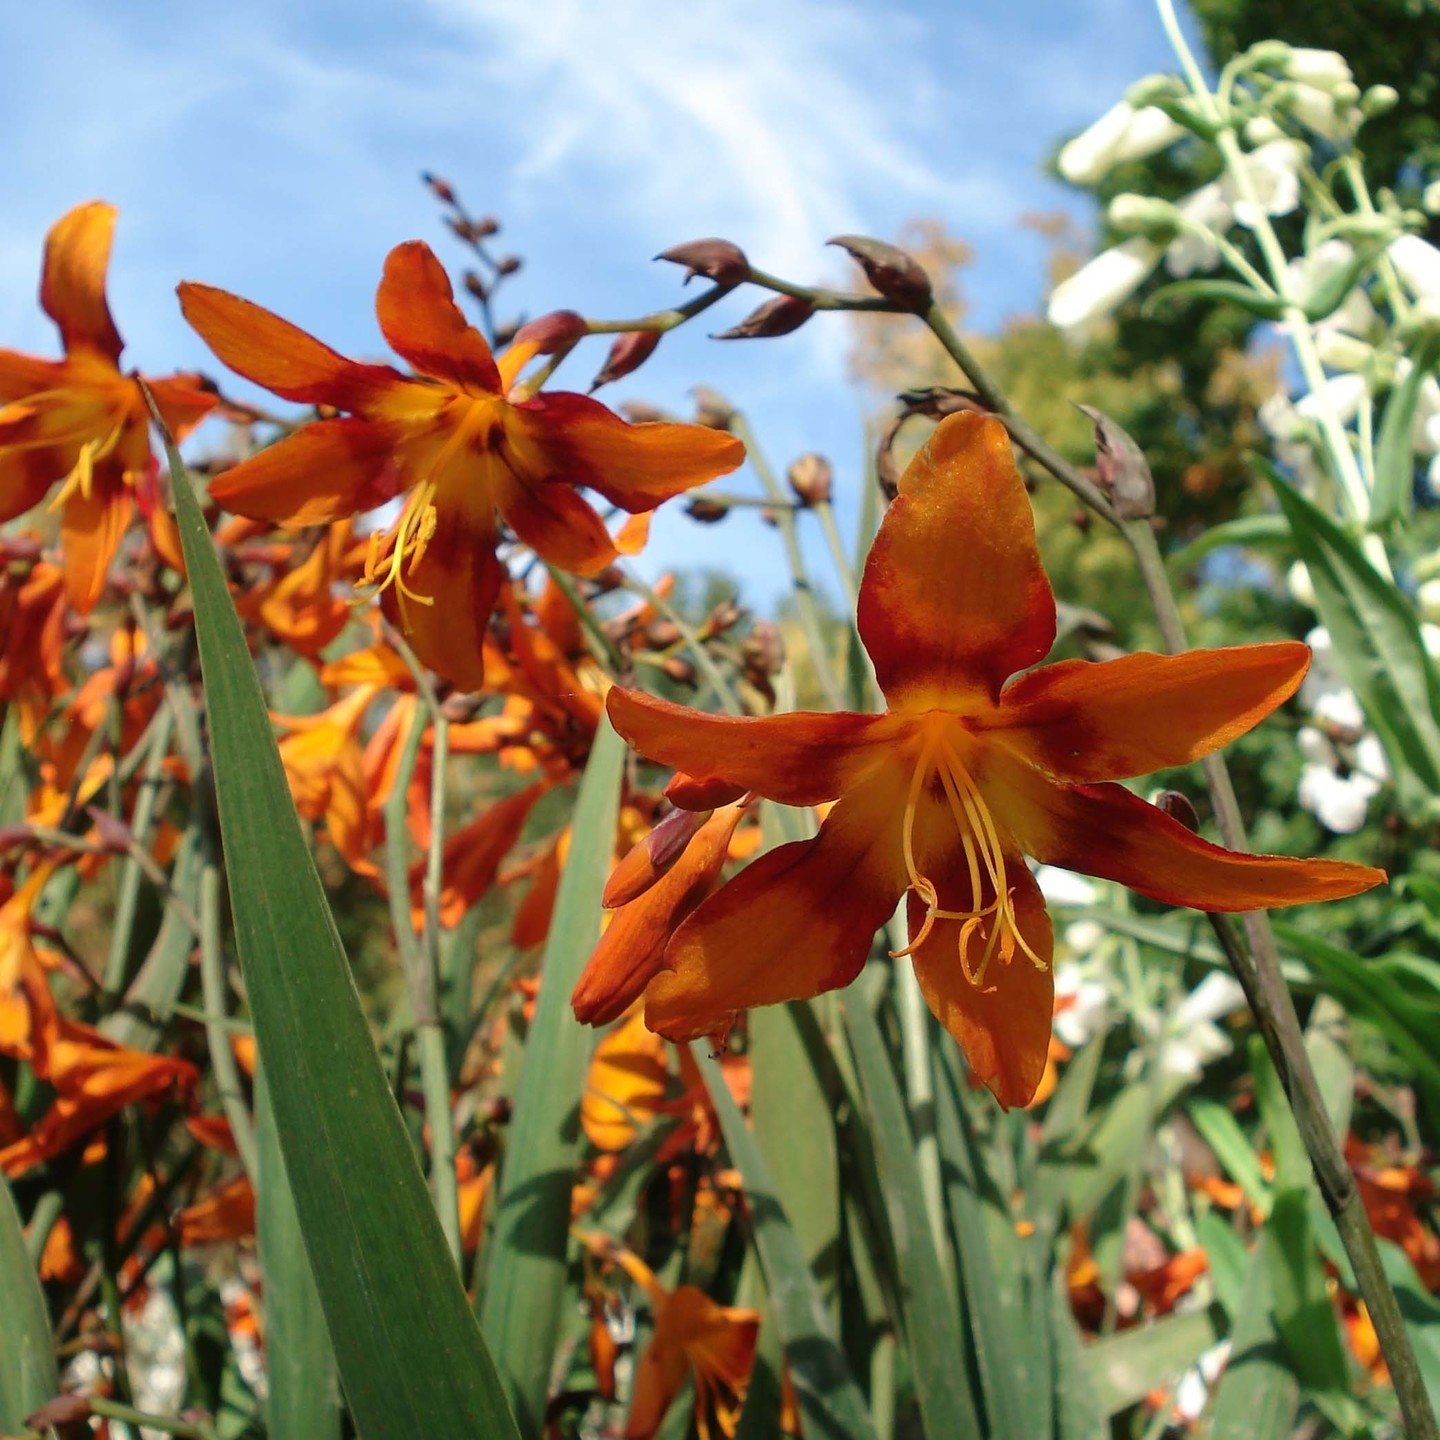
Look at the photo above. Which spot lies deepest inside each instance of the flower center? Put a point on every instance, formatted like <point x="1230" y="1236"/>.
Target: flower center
<point x="940" y="766"/>
<point x="394" y="554"/>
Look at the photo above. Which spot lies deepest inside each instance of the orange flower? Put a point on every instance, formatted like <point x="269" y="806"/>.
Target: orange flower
<point x="456" y="440"/>
<point x="941" y="797"/>
<point x="80" y="420"/>
<point x="693" y="1336"/>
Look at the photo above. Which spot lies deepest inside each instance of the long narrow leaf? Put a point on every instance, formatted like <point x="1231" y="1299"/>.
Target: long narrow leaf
<point x="1377" y="645"/>
<point x="521" y="1308"/>
<point x="931" y="1318"/>
<point x="409" y="1352"/>
<point x="27" y="1355"/>
<point x="830" y="1402"/>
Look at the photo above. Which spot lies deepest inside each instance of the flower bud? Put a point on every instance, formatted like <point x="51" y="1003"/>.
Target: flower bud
<point x="1152" y="90"/>
<point x="629" y="352"/>
<point x="775" y="317"/>
<point x="1103" y="283"/>
<point x="475" y="286"/>
<point x="712" y="409"/>
<point x="763" y="649"/>
<point x="652" y="857"/>
<point x="1324" y="69"/>
<point x="1143" y="215"/>
<point x="550" y="333"/>
<point x="811" y="479"/>
<point x="442" y="190"/>
<point x="705" y="511"/>
<point x="1269" y="54"/>
<point x="1178" y="807"/>
<point x="899" y="277"/>
<point x="678" y="669"/>
<point x="508" y="264"/>
<point x="1122" y="133"/>
<point x="718" y="260"/>
<point x="1124" y="471"/>
<point x="687" y="793"/>
<point x="1378" y="100"/>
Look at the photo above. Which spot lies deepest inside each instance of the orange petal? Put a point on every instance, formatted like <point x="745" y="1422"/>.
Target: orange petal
<point x="421" y="321"/>
<point x="628" y="1078"/>
<point x="91" y="529"/>
<point x="1002" y="1024"/>
<point x="283" y="358"/>
<point x="1104" y="830"/>
<point x="323" y="471"/>
<point x="22" y="375"/>
<point x="797" y="922"/>
<point x="72" y="287"/>
<point x="473" y="854"/>
<point x="461" y="576"/>
<point x="954" y="598"/>
<point x="555" y="522"/>
<point x="183" y="401"/>
<point x="26" y="476"/>
<point x="1085" y="721"/>
<point x="635" y="467"/>
<point x="801" y="758"/>
<point x="632" y="950"/>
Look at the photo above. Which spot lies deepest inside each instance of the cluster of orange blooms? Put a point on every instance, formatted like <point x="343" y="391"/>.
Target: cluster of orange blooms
<point x="979" y="760"/>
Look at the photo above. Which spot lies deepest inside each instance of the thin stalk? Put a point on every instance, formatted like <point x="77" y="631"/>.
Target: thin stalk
<point x="217" y="1033"/>
<point x="724" y="691"/>
<point x="47" y="1211"/>
<point x="142" y="818"/>
<point x="1028" y="439"/>
<point x="601" y="645"/>
<point x="917" y="1063"/>
<point x="799" y="574"/>
<point x="419" y="955"/>
<point x="142" y="1419"/>
<point x="1258" y="971"/>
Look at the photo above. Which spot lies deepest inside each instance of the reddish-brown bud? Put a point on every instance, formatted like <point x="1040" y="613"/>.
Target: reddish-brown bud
<point x="726" y="614"/>
<point x="712" y="408"/>
<point x="662" y="634"/>
<point x="687" y="793"/>
<point x="811" y="478"/>
<point x="716" y="260"/>
<point x="763" y="649"/>
<point x="775" y="317"/>
<point x="555" y="331"/>
<point x="678" y="669"/>
<point x="508" y="264"/>
<point x="706" y="511"/>
<point x="484" y="227"/>
<point x="1178" y="807"/>
<point x="899" y="277"/>
<point x="629" y="352"/>
<point x="652" y="857"/>
<point x="442" y="190"/>
<point x="1122" y="466"/>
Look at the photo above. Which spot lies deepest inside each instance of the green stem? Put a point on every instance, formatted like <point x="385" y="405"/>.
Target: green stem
<point x="602" y="646"/>
<point x="918" y="1065"/>
<point x="128" y="893"/>
<point x="724" y="691"/>
<point x="784" y="515"/>
<point x="217" y="1033"/>
<point x="141" y="1419"/>
<point x="1028" y="439"/>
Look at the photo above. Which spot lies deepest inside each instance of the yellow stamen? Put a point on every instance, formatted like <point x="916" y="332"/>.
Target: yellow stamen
<point x="984" y="860"/>
<point x="81" y="478"/>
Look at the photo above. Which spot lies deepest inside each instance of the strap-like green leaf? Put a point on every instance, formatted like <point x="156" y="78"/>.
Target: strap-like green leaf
<point x="931" y="1317"/>
<point x="408" y="1349"/>
<point x="27" y="1355"/>
<point x="1377" y="646"/>
<point x="521" y="1308"/>
<point x="1394" y="494"/>
<point x="830" y="1402"/>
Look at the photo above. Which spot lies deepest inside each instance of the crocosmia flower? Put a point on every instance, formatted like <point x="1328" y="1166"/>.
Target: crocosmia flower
<point x="456" y="440"/>
<point x="978" y="762"/>
<point x="81" y="421"/>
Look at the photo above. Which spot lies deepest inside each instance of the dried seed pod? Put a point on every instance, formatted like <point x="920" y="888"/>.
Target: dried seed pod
<point x="718" y="260"/>
<point x="775" y="317"/>
<point x="899" y="277"/>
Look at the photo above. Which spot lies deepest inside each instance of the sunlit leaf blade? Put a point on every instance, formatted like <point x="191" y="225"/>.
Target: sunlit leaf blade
<point x="524" y="1292"/>
<point x="930" y="1318"/>
<point x="1378" y="646"/>
<point x="1127" y="1366"/>
<point x="830" y="1402"/>
<point x="1078" y="1412"/>
<point x="27" y="1356"/>
<point x="409" y="1352"/>
<point x="303" y="1402"/>
<point x="1258" y="1396"/>
<point x="1394" y="493"/>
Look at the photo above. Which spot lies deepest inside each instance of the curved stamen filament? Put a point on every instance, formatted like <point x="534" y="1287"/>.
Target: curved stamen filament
<point x="82" y="475"/>
<point x="985" y="865"/>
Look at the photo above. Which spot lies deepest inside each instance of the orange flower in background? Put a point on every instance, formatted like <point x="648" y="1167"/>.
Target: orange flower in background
<point x="80" y="420"/>
<point x="456" y="440"/>
<point x="941" y="797"/>
<point x="694" y="1336"/>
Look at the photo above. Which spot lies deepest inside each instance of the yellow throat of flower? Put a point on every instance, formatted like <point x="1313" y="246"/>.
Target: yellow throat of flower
<point x="940" y="760"/>
<point x="395" y="553"/>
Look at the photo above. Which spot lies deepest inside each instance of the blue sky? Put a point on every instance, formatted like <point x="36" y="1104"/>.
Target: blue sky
<point x="273" y="147"/>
